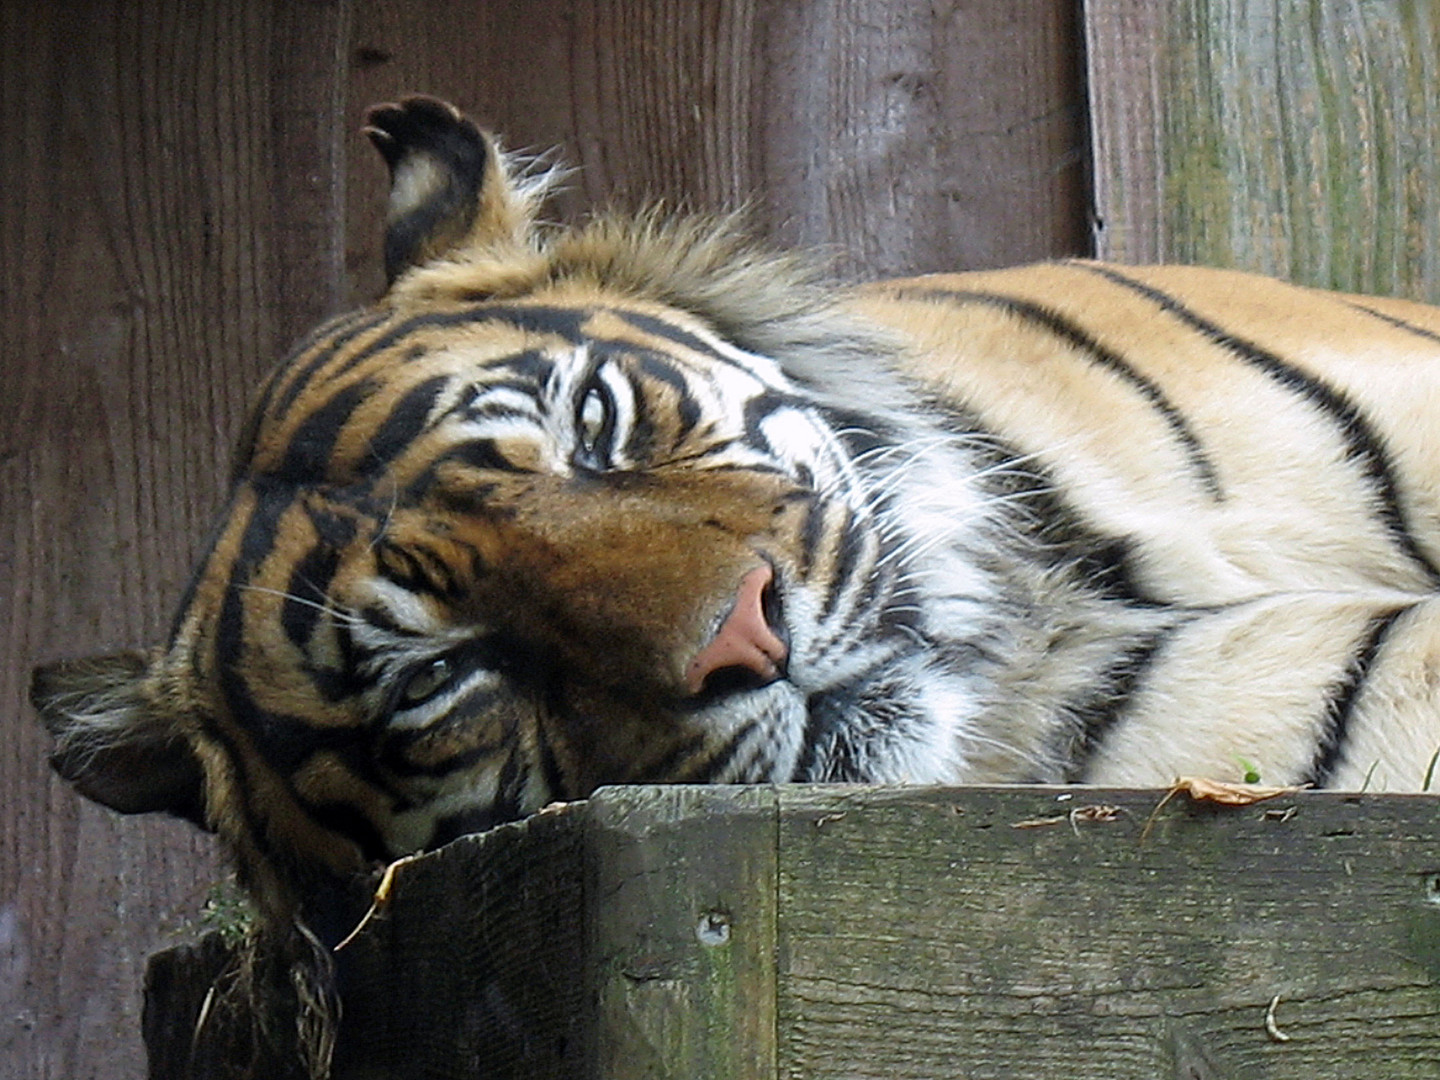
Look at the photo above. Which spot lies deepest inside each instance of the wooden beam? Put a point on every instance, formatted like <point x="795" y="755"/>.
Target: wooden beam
<point x="912" y="933"/>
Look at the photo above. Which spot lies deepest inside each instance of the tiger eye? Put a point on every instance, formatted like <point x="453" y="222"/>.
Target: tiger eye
<point x="591" y="419"/>
<point x="426" y="681"/>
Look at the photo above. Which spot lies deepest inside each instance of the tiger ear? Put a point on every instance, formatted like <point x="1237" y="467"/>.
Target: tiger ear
<point x="111" y="742"/>
<point x="450" y="186"/>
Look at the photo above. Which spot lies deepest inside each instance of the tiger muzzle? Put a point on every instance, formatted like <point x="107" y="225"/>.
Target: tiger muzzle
<point x="749" y="646"/>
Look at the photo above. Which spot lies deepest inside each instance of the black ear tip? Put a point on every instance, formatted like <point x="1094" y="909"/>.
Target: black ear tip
<point x="421" y="123"/>
<point x="42" y="684"/>
<point x="433" y="108"/>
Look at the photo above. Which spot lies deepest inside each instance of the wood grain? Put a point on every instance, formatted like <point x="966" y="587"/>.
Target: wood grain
<point x="896" y="138"/>
<point x="890" y="933"/>
<point x="1077" y="948"/>
<point x="144" y="228"/>
<point x="680" y="953"/>
<point x="1294" y="139"/>
<point x="508" y="995"/>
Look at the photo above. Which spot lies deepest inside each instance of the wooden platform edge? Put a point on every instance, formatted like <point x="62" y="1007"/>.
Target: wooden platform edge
<point x="822" y="931"/>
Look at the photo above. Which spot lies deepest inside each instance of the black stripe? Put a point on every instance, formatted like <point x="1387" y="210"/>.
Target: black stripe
<point x="368" y="320"/>
<point x="561" y="321"/>
<point x="551" y="775"/>
<point x="761" y="756"/>
<point x="812" y="533"/>
<point x="1063" y="538"/>
<point x="478" y="454"/>
<point x="305" y="595"/>
<point x="284" y="743"/>
<point x="307" y="458"/>
<point x="847" y="559"/>
<point x="840" y="722"/>
<point x="400" y="743"/>
<point x="415" y="568"/>
<point x="406" y="421"/>
<point x="759" y="409"/>
<point x="345" y="820"/>
<point x="675" y="335"/>
<point x="639" y="444"/>
<point x="861" y="435"/>
<point x="1106" y="702"/>
<point x="687" y="408"/>
<point x="217" y="530"/>
<point x="1340" y="699"/>
<point x="530" y="365"/>
<point x="381" y="619"/>
<point x="1398" y="323"/>
<point x="229" y="635"/>
<point x="665" y="768"/>
<point x="510" y="788"/>
<point x="1078" y="338"/>
<point x="1363" y="443"/>
<point x="709" y="770"/>
<point x="520" y="385"/>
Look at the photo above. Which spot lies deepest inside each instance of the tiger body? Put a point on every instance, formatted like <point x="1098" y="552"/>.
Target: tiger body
<point x="634" y="503"/>
<point x="1250" y="467"/>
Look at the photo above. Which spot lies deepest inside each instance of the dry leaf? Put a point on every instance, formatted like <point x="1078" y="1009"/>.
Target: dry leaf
<point x="1217" y="791"/>
<point x="1100" y="812"/>
<point x="1039" y="822"/>
<point x="380" y="899"/>
<point x="1230" y="794"/>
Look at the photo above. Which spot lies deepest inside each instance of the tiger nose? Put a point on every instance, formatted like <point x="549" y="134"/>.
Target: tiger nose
<point x="745" y="640"/>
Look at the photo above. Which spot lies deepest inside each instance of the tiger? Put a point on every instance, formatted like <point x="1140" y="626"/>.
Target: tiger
<point x="639" y="500"/>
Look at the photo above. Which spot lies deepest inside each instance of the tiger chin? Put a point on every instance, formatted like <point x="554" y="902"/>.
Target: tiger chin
<point x="636" y="501"/>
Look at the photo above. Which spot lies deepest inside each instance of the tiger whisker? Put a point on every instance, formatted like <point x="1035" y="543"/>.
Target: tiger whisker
<point x="340" y="614"/>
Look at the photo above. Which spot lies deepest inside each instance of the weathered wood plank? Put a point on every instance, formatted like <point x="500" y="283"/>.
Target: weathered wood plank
<point x="890" y="933"/>
<point x="681" y="952"/>
<point x="914" y="138"/>
<point x="140" y="301"/>
<point x="1295" y="139"/>
<point x="898" y="137"/>
<point x="1079" y="949"/>
<point x="473" y="968"/>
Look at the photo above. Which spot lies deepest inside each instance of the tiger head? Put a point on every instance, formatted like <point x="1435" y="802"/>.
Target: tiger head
<point x="567" y="507"/>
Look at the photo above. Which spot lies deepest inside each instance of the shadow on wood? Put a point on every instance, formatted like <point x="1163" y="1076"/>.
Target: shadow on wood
<point x="899" y="932"/>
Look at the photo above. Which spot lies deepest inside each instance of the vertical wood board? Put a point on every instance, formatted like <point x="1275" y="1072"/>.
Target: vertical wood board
<point x="894" y="138"/>
<point x="146" y="222"/>
<point x="681" y="952"/>
<point x="1294" y="139"/>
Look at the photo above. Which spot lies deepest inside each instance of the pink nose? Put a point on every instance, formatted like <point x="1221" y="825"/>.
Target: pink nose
<point x="744" y="640"/>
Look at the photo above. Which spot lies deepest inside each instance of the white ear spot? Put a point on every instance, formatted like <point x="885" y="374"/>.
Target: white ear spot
<point x="417" y="179"/>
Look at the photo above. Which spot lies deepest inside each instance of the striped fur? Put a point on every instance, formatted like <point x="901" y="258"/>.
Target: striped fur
<point x="1066" y="523"/>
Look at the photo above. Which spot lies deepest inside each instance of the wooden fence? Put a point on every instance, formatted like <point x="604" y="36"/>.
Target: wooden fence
<point x="185" y="191"/>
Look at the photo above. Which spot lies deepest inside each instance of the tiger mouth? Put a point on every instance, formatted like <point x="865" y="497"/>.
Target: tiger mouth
<point x="751" y="647"/>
